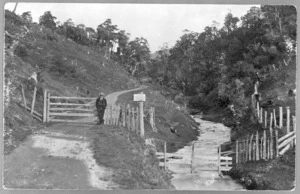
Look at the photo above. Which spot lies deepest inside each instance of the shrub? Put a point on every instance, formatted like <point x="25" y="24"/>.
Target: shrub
<point x="20" y="51"/>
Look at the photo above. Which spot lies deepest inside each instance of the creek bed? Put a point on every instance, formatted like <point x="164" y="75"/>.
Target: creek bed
<point x="205" y="170"/>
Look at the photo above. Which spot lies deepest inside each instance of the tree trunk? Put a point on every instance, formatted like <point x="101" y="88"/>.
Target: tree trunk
<point x="15" y="8"/>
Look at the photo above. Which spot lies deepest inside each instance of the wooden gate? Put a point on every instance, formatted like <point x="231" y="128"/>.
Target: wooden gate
<point x="69" y="109"/>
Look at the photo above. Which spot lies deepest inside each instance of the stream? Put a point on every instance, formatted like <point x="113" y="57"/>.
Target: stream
<point x="205" y="174"/>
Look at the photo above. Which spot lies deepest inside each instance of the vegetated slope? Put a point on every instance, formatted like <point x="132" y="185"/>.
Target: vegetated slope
<point x="64" y="68"/>
<point x="276" y="174"/>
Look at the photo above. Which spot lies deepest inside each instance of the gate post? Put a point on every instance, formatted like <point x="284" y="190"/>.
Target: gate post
<point x="219" y="160"/>
<point x="48" y="107"/>
<point x="45" y="107"/>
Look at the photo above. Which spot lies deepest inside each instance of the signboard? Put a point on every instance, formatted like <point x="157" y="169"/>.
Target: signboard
<point x="139" y="97"/>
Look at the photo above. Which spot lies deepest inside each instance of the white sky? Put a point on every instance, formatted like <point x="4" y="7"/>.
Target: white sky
<point x="158" y="23"/>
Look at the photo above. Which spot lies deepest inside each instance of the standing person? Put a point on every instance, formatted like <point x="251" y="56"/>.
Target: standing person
<point x="101" y="105"/>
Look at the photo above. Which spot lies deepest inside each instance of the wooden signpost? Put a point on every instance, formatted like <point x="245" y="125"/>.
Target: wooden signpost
<point x="141" y="98"/>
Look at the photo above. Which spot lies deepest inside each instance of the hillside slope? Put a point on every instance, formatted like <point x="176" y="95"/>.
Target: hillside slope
<point x="64" y="68"/>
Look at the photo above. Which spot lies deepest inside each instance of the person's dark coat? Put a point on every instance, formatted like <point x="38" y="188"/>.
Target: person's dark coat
<point x="101" y="104"/>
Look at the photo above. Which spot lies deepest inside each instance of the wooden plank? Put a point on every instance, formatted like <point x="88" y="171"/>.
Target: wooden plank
<point x="261" y="148"/>
<point x="287" y="141"/>
<point x="285" y="149"/>
<point x="286" y="136"/>
<point x="268" y="148"/>
<point x="71" y="114"/>
<point x="128" y="117"/>
<point x="219" y="156"/>
<point x="261" y="115"/>
<point x="275" y="119"/>
<point x="142" y="130"/>
<point x="68" y="104"/>
<point x="23" y="96"/>
<point x="250" y="148"/>
<point x="257" y="146"/>
<point x="165" y="158"/>
<point x="45" y="107"/>
<point x="266" y="115"/>
<point x="280" y="117"/>
<point x="133" y="119"/>
<point x="34" y="112"/>
<point x="276" y="143"/>
<point x="72" y="98"/>
<point x="225" y="158"/>
<point x="71" y="121"/>
<point x="73" y="109"/>
<point x="264" y="146"/>
<point x="237" y="151"/>
<point x="48" y="107"/>
<point x="33" y="100"/>
<point x="225" y="163"/>
<point x="288" y="119"/>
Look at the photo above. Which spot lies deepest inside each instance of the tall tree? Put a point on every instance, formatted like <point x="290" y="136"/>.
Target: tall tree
<point x="48" y="20"/>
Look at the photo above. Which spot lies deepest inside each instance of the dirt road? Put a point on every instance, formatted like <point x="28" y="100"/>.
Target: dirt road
<point x="59" y="157"/>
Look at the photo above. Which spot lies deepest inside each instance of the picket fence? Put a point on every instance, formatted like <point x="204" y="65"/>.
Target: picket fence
<point x="267" y="145"/>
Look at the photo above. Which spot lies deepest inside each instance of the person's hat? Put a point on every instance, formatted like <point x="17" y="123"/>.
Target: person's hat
<point x="101" y="94"/>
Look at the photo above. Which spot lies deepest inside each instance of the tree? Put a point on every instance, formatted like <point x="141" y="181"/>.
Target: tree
<point x="27" y="16"/>
<point x="48" y="20"/>
<point x="15" y="8"/>
<point x="106" y="32"/>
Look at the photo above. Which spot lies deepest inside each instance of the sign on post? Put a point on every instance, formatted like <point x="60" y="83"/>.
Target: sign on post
<point x="141" y="98"/>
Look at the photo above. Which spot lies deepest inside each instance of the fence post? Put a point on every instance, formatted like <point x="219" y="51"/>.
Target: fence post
<point x="276" y="143"/>
<point x="192" y="157"/>
<point x="288" y="119"/>
<point x="247" y="148"/>
<point x="266" y="115"/>
<point x="133" y="119"/>
<point x="219" y="159"/>
<point x="45" y="106"/>
<point x="128" y="116"/>
<point x="165" y="154"/>
<point x="124" y="115"/>
<point x="237" y="151"/>
<point x="33" y="100"/>
<point x="261" y="115"/>
<point x="250" y="148"/>
<point x="280" y="117"/>
<point x="24" y="98"/>
<point x="264" y="145"/>
<point x="271" y="143"/>
<point x="257" y="146"/>
<point x="48" y="107"/>
<point x="142" y="131"/>
<point x="137" y="121"/>
<point x="257" y="109"/>
<point x="261" y="147"/>
<point x="275" y="119"/>
<point x="268" y="148"/>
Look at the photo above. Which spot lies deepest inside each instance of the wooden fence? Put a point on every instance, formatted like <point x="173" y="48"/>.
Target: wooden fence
<point x="270" y="119"/>
<point x="264" y="146"/>
<point x="224" y="160"/>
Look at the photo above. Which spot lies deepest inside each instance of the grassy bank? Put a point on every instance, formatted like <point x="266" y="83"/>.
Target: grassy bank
<point x="134" y="164"/>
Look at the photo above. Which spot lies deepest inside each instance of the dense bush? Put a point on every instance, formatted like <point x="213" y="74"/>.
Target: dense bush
<point x="21" y="51"/>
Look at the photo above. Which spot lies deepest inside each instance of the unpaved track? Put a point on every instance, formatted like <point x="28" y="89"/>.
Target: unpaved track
<point x="59" y="157"/>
